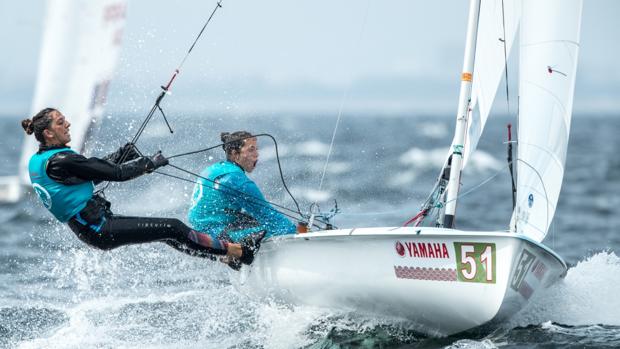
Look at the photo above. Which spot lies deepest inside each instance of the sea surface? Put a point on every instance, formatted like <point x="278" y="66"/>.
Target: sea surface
<point x="55" y="292"/>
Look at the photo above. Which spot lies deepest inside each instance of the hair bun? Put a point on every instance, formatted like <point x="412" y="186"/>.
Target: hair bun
<point x="28" y="126"/>
<point x="225" y="137"/>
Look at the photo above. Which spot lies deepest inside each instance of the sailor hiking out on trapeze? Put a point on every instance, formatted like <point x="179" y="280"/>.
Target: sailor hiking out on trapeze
<point x="229" y="206"/>
<point x="64" y="181"/>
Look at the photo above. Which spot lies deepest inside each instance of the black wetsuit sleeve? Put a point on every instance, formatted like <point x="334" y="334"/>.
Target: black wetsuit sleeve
<point x="115" y="157"/>
<point x="72" y="168"/>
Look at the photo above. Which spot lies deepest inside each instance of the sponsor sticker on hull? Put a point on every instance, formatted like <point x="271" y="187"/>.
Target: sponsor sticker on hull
<point x="417" y="273"/>
<point x="528" y="274"/>
<point x="440" y="261"/>
<point x="523" y="265"/>
<point x="475" y="262"/>
<point x="422" y="249"/>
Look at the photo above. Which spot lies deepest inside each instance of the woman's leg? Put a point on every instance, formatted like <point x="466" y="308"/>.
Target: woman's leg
<point x="120" y="230"/>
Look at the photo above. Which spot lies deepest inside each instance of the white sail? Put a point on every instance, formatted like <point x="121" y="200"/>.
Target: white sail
<point x="489" y="63"/>
<point x="80" y="48"/>
<point x="549" y="44"/>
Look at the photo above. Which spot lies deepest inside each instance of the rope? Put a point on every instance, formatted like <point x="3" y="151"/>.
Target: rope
<point x="261" y="202"/>
<point x="345" y="97"/>
<point x="161" y="96"/>
<point x="166" y="88"/>
<point x="217" y="6"/>
<point x="417" y="217"/>
<point x="472" y="189"/>
<point x="331" y="144"/>
<point x="429" y="212"/>
<point x="425" y="212"/>
<point x="243" y="138"/>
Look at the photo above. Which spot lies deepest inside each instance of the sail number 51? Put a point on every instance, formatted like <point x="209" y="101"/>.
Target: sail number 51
<point x="475" y="262"/>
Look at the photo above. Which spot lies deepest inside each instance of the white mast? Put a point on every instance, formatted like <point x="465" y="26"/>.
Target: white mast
<point x="462" y="113"/>
<point x="497" y="31"/>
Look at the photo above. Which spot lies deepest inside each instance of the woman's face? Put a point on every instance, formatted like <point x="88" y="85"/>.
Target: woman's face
<point x="247" y="157"/>
<point x="57" y="132"/>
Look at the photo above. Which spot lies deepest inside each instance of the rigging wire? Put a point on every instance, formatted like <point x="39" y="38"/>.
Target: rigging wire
<point x="235" y="192"/>
<point x="243" y="138"/>
<point x="156" y="106"/>
<point x="505" y="57"/>
<point x="433" y="198"/>
<point x="512" y="173"/>
<point x="429" y="207"/>
<point x="477" y="186"/>
<point x="343" y="100"/>
<point x="165" y="90"/>
<point x="426" y="207"/>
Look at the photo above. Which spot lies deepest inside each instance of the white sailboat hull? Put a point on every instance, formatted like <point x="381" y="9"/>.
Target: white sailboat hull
<point x="444" y="281"/>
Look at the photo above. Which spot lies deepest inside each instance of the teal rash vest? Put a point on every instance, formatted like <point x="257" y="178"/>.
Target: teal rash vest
<point x="228" y="192"/>
<point x="63" y="201"/>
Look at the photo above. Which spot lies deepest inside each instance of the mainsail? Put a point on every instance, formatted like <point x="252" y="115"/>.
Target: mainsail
<point x="549" y="44"/>
<point x="80" y="47"/>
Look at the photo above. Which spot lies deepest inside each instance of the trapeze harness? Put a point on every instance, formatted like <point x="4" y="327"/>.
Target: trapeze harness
<point x="64" y="181"/>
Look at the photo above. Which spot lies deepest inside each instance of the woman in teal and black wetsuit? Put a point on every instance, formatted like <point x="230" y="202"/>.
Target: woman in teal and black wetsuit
<point x="64" y="181"/>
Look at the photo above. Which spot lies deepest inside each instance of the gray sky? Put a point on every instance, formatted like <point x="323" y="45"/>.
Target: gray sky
<point x="273" y="55"/>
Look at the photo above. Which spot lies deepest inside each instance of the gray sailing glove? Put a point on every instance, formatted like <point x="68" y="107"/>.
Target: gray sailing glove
<point x="129" y="151"/>
<point x="157" y="161"/>
<point x="250" y="246"/>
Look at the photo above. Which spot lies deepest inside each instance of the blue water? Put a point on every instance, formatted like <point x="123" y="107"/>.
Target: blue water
<point x="57" y="293"/>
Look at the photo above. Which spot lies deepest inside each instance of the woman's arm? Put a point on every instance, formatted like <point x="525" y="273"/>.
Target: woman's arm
<point x="128" y="151"/>
<point x="73" y="168"/>
<point x="254" y="204"/>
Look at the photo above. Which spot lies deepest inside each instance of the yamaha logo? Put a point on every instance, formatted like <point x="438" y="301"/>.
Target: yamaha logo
<point x="422" y="249"/>
<point x="400" y="249"/>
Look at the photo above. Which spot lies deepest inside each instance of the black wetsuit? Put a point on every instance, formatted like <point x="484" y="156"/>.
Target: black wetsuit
<point x="97" y="226"/>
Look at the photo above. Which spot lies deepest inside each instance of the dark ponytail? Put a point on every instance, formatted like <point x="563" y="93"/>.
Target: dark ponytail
<point x="38" y="124"/>
<point x="234" y="141"/>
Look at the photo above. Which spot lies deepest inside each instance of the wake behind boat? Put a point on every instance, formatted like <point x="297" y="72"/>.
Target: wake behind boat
<point x="442" y="279"/>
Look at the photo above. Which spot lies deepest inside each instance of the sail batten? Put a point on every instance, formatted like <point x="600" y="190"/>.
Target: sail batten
<point x="551" y="41"/>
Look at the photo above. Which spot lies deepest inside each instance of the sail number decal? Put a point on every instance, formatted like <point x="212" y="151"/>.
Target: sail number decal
<point x="475" y="262"/>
